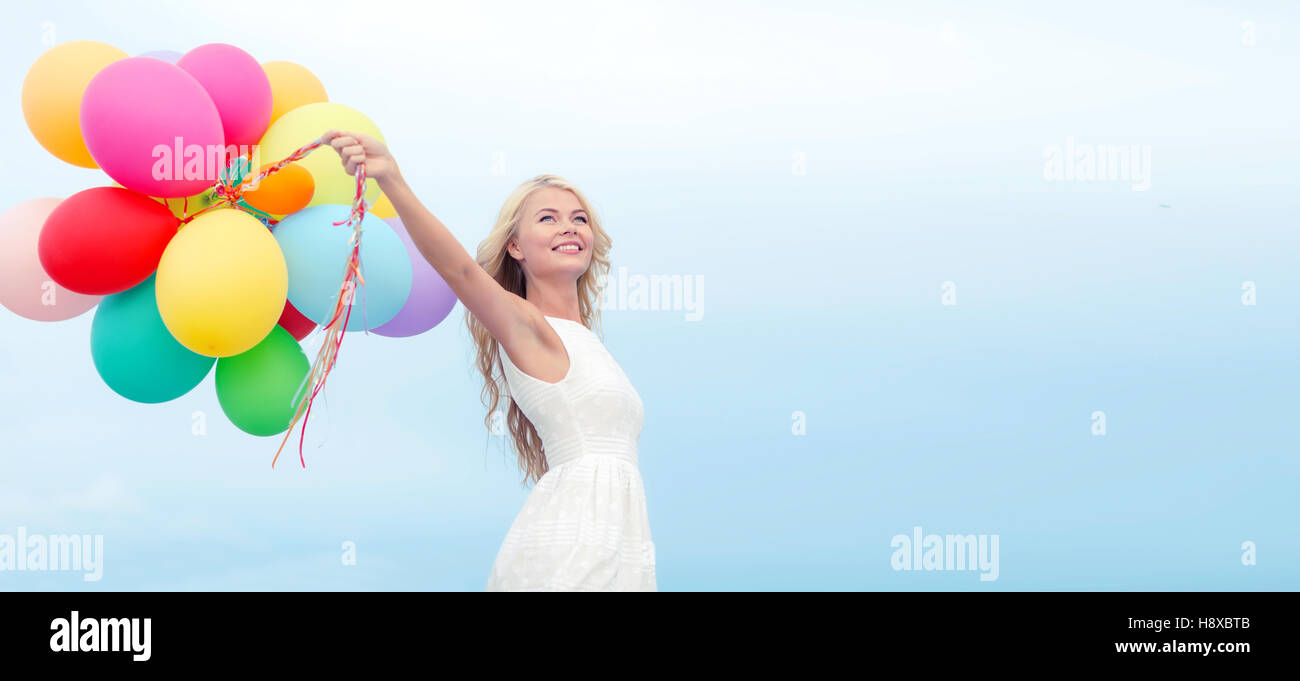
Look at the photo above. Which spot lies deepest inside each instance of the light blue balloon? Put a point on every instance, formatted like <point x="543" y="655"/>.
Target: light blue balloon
<point x="316" y="251"/>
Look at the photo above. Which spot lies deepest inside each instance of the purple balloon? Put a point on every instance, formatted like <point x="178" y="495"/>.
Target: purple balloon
<point x="431" y="298"/>
<point x="166" y="55"/>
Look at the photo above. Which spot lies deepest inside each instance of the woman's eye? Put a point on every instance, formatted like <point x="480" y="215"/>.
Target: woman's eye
<point x="546" y="217"/>
<point x="584" y="220"/>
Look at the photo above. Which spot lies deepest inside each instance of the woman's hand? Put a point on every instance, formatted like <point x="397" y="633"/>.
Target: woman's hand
<point x="354" y="148"/>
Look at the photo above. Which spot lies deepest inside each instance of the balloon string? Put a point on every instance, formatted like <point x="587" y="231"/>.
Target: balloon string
<point x="229" y="192"/>
<point x="342" y="309"/>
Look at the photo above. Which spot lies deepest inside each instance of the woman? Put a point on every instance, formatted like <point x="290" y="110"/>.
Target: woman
<point x="575" y="419"/>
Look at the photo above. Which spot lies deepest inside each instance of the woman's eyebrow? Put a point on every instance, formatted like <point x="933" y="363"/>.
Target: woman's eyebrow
<point x="543" y="210"/>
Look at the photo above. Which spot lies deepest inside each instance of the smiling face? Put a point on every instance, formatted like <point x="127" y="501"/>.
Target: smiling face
<point x="554" y="236"/>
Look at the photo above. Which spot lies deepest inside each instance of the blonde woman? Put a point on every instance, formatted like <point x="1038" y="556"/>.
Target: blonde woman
<point x="531" y="300"/>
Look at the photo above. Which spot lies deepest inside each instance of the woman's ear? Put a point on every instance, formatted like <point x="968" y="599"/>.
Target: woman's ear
<point x="512" y="248"/>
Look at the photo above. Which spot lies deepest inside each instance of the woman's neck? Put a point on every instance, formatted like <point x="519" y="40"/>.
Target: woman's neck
<point x="556" y="303"/>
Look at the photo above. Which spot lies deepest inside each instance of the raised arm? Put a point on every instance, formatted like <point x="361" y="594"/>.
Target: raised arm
<point x="513" y="321"/>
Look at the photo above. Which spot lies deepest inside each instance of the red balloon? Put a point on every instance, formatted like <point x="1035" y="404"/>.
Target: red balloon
<point x="294" y="322"/>
<point x="105" y="240"/>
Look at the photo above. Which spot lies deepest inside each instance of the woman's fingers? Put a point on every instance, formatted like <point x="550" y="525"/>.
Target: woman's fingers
<point x="352" y="161"/>
<point x="352" y="155"/>
<point x="351" y="148"/>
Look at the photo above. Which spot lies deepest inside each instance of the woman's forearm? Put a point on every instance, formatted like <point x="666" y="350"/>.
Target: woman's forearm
<point x="436" y="243"/>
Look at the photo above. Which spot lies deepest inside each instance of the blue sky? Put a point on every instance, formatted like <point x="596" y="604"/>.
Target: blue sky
<point x="825" y="168"/>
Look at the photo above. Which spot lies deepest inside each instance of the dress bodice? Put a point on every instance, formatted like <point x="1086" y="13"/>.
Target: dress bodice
<point x="593" y="410"/>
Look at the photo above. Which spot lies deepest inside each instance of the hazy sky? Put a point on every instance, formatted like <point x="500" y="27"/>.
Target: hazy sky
<point x="829" y="172"/>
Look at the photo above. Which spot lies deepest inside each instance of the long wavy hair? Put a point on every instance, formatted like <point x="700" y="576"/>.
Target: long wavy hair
<point x="501" y="266"/>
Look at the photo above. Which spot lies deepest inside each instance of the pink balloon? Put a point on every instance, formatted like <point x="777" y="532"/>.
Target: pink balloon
<point x="25" y="288"/>
<point x="238" y="86"/>
<point x="143" y="119"/>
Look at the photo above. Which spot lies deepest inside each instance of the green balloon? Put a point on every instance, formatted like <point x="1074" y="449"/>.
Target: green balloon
<point x="256" y="388"/>
<point x="134" y="352"/>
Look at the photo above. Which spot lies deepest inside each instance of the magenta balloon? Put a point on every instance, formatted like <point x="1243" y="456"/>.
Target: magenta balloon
<point x="238" y="86"/>
<point x="431" y="298"/>
<point x="135" y="115"/>
<point x="169" y="56"/>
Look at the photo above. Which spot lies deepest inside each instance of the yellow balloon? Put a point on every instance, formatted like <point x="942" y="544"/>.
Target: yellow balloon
<point x="383" y="208"/>
<point x="52" y="94"/>
<point x="292" y="86"/>
<point x="304" y="125"/>
<point x="222" y="283"/>
<point x="185" y="206"/>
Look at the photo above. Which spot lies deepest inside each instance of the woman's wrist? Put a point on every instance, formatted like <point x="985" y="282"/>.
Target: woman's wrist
<point x="391" y="181"/>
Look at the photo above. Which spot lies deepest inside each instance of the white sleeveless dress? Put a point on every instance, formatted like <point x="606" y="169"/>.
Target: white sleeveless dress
<point x="584" y="526"/>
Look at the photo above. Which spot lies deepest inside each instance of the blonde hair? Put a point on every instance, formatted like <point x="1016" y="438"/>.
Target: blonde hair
<point x="498" y="263"/>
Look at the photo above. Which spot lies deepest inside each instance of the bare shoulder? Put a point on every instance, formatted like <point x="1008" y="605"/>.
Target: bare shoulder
<point x="537" y="349"/>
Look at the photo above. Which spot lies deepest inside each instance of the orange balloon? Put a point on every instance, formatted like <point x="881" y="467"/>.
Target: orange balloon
<point x="288" y="190"/>
<point x="52" y="94"/>
<point x="292" y="86"/>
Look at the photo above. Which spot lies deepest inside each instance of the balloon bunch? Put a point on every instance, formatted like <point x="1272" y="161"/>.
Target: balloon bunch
<point x="200" y="254"/>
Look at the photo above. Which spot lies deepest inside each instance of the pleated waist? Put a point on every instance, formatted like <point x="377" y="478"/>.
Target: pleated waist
<point x="578" y="446"/>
